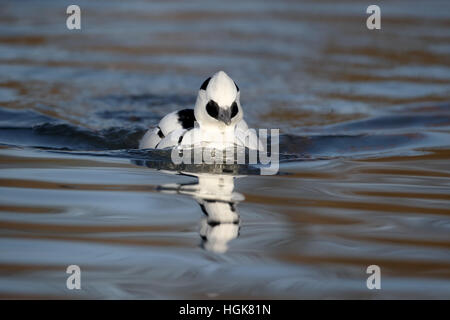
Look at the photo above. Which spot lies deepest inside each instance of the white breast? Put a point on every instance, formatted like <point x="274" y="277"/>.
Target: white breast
<point x="170" y="133"/>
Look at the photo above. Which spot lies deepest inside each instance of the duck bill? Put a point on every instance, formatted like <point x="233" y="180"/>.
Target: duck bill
<point x="224" y="115"/>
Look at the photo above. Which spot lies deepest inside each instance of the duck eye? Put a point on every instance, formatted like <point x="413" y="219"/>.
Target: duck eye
<point x="234" y="109"/>
<point x="212" y="108"/>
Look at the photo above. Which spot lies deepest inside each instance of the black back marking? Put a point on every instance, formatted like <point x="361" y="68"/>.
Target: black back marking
<point x="213" y="109"/>
<point x="214" y="223"/>
<point x="186" y="118"/>
<point x="205" y="84"/>
<point x="160" y="133"/>
<point x="234" y="109"/>
<point x="237" y="88"/>
<point x="204" y="210"/>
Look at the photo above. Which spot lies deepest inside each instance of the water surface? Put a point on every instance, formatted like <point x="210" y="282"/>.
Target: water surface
<point x="365" y="149"/>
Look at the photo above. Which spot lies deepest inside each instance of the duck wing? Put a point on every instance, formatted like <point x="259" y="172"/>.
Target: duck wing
<point x="169" y="130"/>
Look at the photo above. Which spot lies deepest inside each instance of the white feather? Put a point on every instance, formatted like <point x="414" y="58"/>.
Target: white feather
<point x="150" y="139"/>
<point x="170" y="123"/>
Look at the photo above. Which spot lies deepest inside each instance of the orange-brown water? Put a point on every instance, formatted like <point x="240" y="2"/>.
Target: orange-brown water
<point x="364" y="117"/>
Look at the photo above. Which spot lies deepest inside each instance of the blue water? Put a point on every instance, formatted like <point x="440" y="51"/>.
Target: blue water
<point x="364" y="151"/>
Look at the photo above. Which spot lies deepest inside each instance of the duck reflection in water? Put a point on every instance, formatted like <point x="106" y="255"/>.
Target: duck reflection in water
<point x="215" y="196"/>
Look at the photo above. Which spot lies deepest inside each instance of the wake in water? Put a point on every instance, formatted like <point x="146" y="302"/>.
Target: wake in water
<point x="365" y="138"/>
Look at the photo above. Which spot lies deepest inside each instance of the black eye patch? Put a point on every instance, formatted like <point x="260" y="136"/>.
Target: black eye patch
<point x="212" y="108"/>
<point x="205" y="84"/>
<point x="237" y="88"/>
<point x="234" y="109"/>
